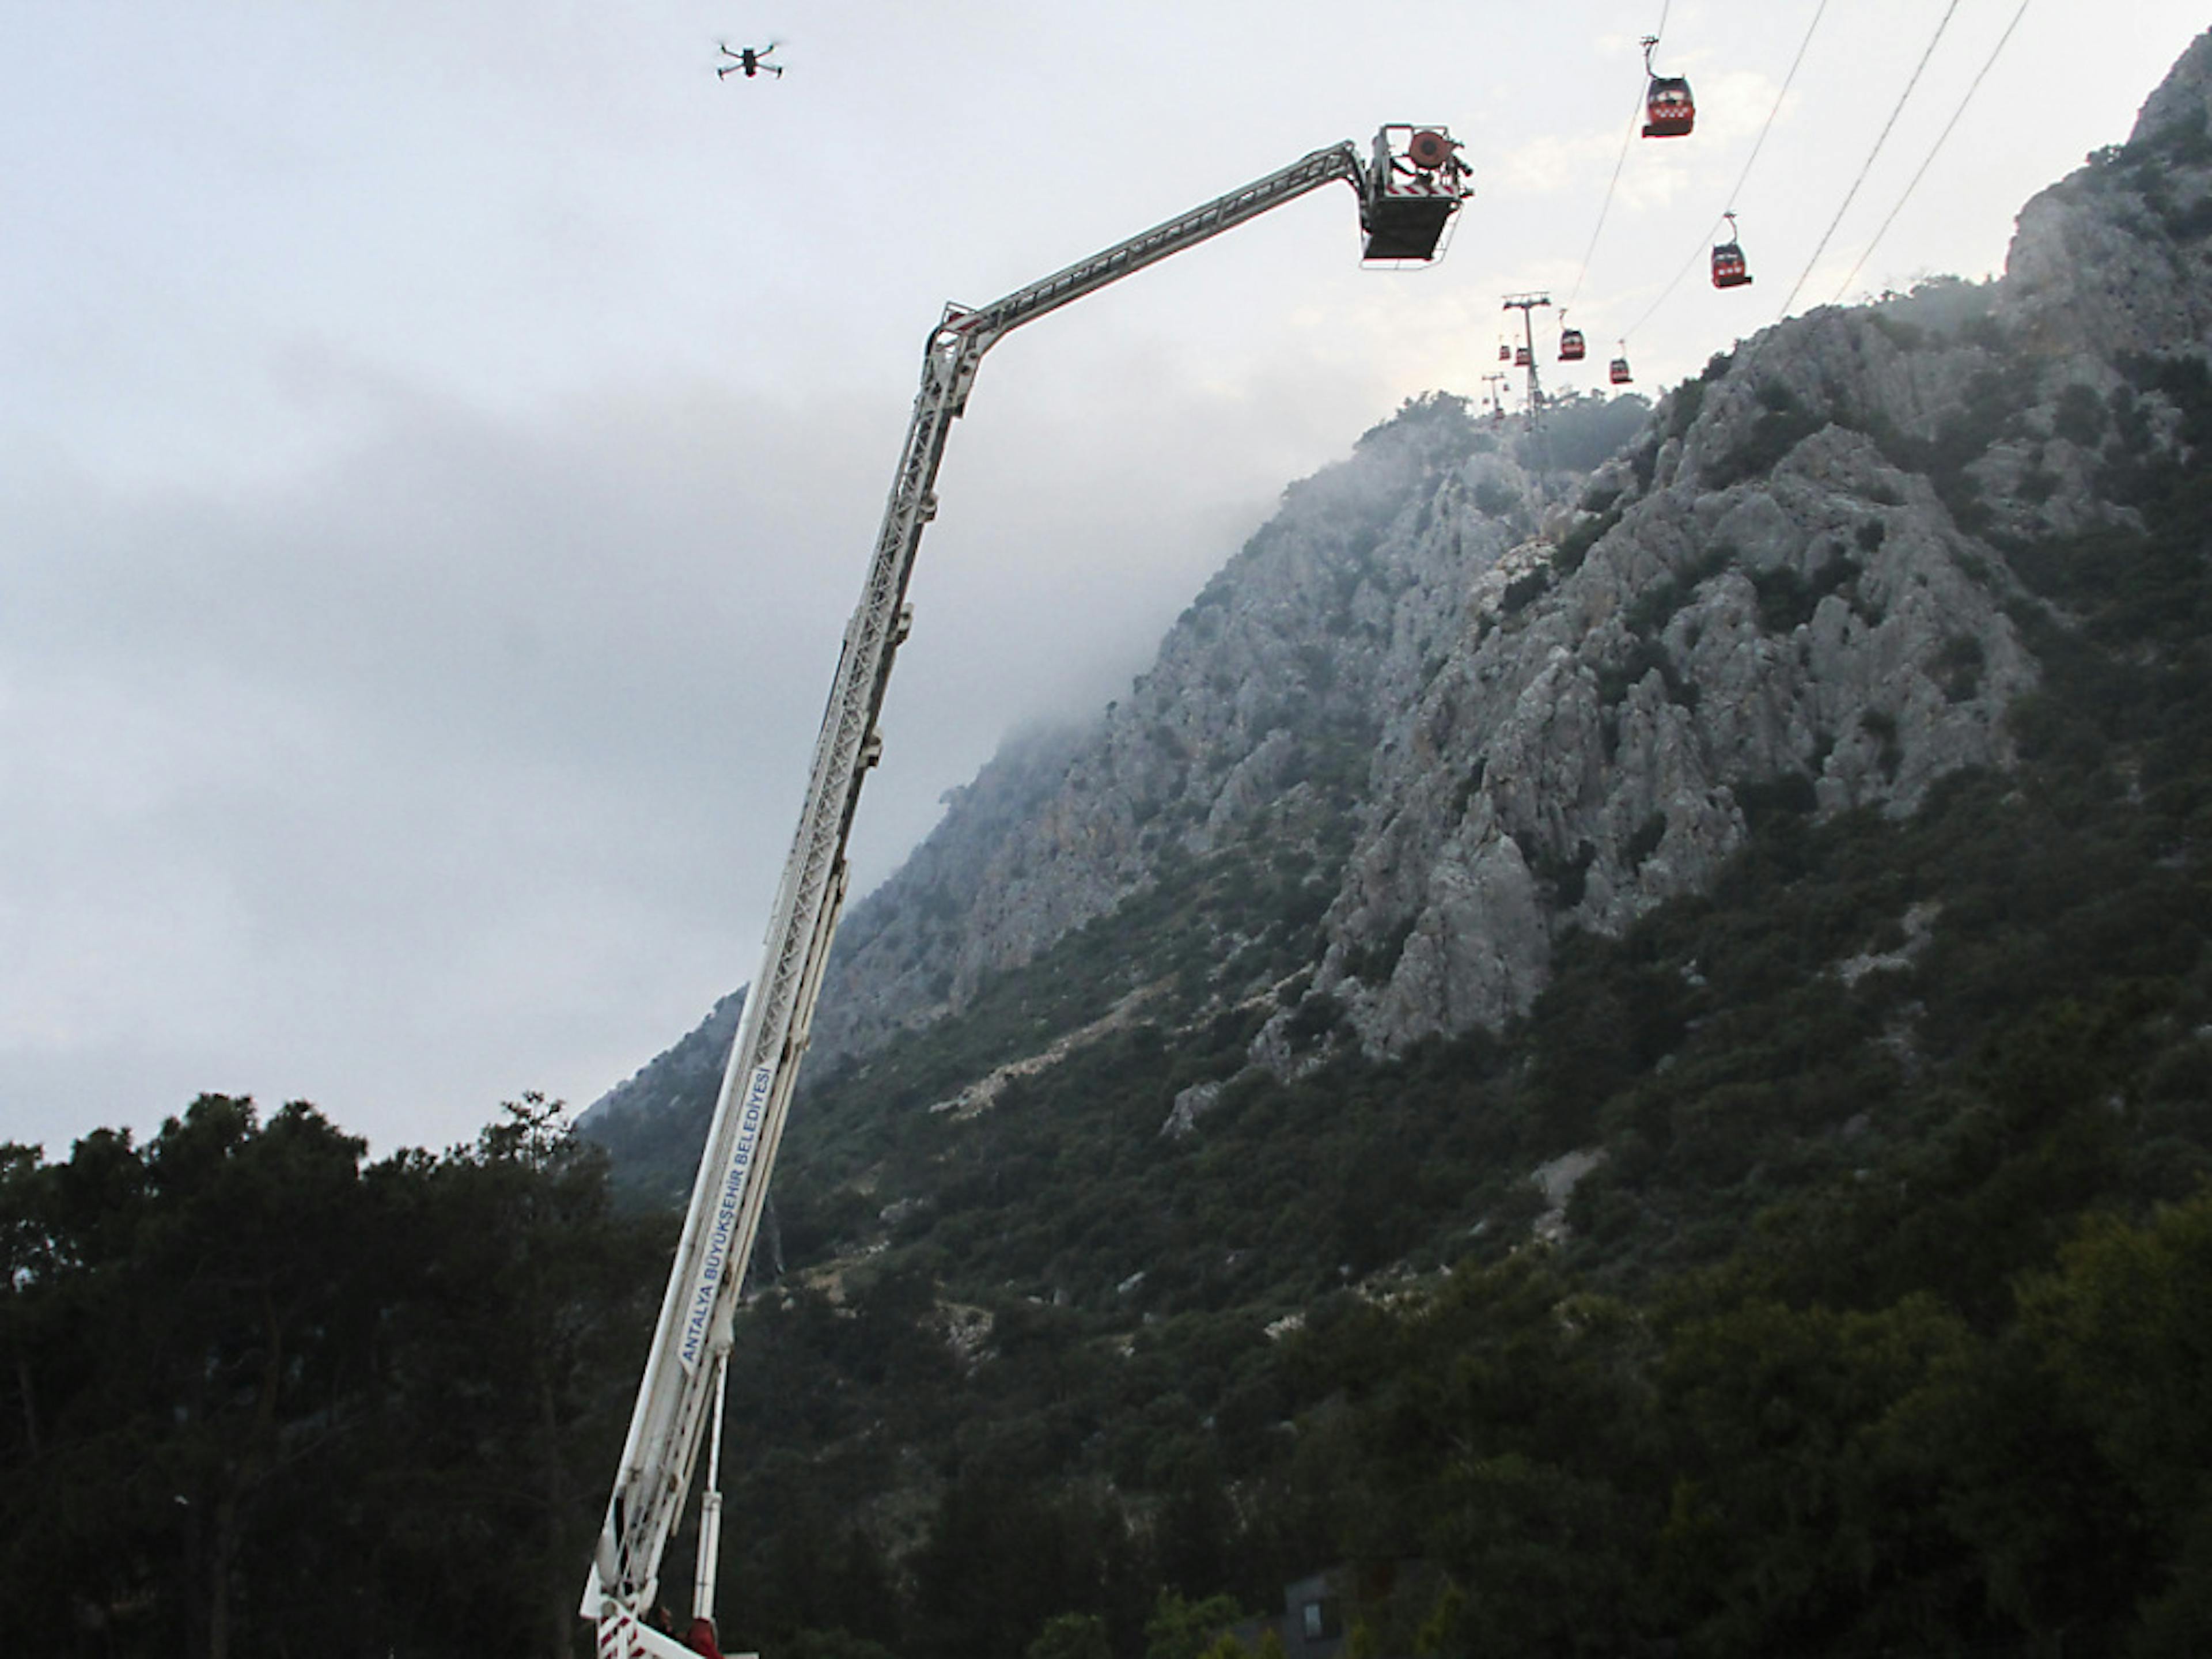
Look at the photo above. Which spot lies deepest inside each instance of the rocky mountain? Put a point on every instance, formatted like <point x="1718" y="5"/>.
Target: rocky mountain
<point x="1253" y="733"/>
<point x="1622" y="1022"/>
<point x="1487" y="689"/>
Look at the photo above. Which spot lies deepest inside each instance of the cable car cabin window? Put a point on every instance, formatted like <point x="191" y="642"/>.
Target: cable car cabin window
<point x="1669" y="110"/>
<point x="1618" y="372"/>
<point x="1570" y="346"/>
<point x="1727" y="266"/>
<point x="1521" y="357"/>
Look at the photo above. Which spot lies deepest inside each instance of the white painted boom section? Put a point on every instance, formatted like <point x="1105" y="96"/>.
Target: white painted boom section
<point x="681" y="1387"/>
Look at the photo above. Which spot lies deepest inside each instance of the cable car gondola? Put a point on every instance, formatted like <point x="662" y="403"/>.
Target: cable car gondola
<point x="1727" y="260"/>
<point x="1618" y="372"/>
<point x="1668" y="109"/>
<point x="1504" y="352"/>
<point x="1571" y="350"/>
<point x="1521" y="357"/>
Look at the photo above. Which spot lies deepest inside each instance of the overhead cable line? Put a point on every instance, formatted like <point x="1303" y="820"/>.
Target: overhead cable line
<point x="1819" y="11"/>
<point x="1975" y="87"/>
<point x="1626" y="139"/>
<point x="1880" y="138"/>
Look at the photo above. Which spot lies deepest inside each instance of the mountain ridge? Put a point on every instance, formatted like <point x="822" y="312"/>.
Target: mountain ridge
<point x="1669" y="1114"/>
<point x="1488" y="700"/>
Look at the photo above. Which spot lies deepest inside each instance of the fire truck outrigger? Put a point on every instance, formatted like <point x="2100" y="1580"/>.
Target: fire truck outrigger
<point x="1408" y="193"/>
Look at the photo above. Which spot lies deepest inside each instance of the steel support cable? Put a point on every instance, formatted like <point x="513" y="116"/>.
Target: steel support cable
<point x="1607" y="206"/>
<point x="1619" y="162"/>
<point x="1880" y="138"/>
<point x="1676" y="281"/>
<point x="1987" y="65"/>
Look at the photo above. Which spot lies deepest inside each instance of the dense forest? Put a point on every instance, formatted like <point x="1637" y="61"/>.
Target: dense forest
<point x="263" y="1396"/>
<point x="1878" y="1326"/>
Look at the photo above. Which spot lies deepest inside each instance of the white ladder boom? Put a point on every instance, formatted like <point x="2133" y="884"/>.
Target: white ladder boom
<point x="1399" y="202"/>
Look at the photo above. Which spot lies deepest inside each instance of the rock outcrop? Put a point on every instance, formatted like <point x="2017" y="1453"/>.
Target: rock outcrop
<point x="2113" y="259"/>
<point x="1773" y="606"/>
<point x="1266" y="694"/>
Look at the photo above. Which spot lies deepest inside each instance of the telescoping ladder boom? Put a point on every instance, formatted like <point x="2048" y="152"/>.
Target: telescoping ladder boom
<point x="1407" y="193"/>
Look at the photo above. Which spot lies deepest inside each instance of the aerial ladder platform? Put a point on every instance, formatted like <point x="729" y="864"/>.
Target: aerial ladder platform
<point x="1409" y="187"/>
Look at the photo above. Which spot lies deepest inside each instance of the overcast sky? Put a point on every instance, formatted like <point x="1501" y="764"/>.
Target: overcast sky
<point x="440" y="444"/>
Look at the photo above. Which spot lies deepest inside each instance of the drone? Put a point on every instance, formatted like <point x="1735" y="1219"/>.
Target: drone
<point x="751" y="61"/>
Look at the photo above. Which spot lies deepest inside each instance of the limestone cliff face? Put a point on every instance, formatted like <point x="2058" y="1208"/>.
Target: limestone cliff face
<point x="1822" y="625"/>
<point x="2113" y="259"/>
<point x="1268" y="692"/>
<point x="1803" y="590"/>
<point x="1493" y="690"/>
<point x="894" y="962"/>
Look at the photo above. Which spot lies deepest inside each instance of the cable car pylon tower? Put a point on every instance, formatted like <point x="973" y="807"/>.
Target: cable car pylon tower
<point x="1525" y="305"/>
<point x="1493" y="384"/>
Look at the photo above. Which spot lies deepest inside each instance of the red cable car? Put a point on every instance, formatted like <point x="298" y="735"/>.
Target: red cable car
<point x="1571" y="350"/>
<point x="1669" y="110"/>
<point x="1618" y="374"/>
<point x="1727" y="260"/>
<point x="1521" y="357"/>
<point x="1504" y="352"/>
